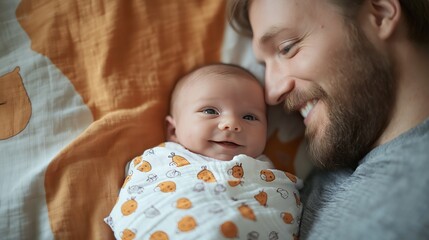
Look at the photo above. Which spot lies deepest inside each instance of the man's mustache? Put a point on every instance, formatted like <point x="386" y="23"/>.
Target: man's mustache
<point x="297" y="99"/>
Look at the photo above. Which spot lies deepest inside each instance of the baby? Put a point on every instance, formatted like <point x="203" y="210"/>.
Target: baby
<point x="210" y="180"/>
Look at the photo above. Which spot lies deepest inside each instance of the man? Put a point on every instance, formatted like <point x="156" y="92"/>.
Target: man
<point x="358" y="72"/>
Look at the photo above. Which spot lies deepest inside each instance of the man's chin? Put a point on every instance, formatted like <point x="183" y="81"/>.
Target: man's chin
<point x="322" y="151"/>
<point x="318" y="156"/>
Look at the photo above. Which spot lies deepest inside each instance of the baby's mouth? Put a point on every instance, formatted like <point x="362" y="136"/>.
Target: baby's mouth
<point x="227" y="144"/>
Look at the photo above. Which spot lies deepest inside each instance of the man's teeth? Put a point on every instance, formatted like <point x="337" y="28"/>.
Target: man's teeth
<point x="307" y="108"/>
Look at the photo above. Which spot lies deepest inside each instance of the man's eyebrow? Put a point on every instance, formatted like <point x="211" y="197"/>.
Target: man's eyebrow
<point x="270" y="34"/>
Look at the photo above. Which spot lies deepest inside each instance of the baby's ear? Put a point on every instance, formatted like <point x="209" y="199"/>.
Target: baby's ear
<point x="171" y="129"/>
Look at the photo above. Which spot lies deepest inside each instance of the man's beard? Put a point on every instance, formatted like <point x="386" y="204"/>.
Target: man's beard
<point x="362" y="95"/>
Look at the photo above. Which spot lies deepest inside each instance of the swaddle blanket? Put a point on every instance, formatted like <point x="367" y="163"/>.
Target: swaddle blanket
<point x="172" y="193"/>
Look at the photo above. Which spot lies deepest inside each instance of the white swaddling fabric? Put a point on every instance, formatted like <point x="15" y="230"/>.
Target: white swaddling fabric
<point x="172" y="193"/>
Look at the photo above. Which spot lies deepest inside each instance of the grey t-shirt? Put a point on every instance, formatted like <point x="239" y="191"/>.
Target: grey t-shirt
<point x="386" y="197"/>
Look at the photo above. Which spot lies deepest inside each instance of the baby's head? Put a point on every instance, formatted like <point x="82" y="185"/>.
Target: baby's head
<point x="218" y="111"/>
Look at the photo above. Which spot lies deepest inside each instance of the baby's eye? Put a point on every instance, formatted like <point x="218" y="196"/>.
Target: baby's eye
<point x="249" y="117"/>
<point x="210" y="111"/>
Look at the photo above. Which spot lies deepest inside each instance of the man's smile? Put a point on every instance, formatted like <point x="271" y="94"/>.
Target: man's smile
<point x="308" y="107"/>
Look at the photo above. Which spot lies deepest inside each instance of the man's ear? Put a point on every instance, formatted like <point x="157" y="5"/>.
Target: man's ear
<point x="385" y="16"/>
<point x="171" y="129"/>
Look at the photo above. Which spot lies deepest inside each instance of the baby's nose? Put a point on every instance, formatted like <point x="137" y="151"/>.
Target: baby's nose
<point x="230" y="124"/>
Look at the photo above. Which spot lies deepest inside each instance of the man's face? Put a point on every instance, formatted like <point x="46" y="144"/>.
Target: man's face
<point x="327" y="70"/>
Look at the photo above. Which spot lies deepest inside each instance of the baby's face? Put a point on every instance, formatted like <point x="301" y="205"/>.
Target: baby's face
<point x="221" y="116"/>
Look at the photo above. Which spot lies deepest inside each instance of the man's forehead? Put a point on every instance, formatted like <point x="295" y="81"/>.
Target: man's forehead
<point x="282" y="13"/>
<point x="282" y="18"/>
<point x="266" y="19"/>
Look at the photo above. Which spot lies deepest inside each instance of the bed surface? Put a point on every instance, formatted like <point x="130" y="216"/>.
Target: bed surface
<point x="84" y="87"/>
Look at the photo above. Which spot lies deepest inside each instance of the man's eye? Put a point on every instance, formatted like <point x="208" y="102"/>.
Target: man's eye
<point x="249" y="117"/>
<point x="210" y="111"/>
<point x="288" y="49"/>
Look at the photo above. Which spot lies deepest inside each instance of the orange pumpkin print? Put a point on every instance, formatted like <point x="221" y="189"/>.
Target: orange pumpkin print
<point x="262" y="198"/>
<point x="237" y="171"/>
<point x="229" y="229"/>
<point x="206" y="175"/>
<point x="177" y="160"/>
<point x="167" y="186"/>
<point x="127" y="179"/>
<point x="247" y="212"/>
<point x="234" y="183"/>
<point x="129" y="207"/>
<point x="187" y="224"/>
<point x="183" y="203"/>
<point x="287" y="217"/>
<point x="159" y="235"/>
<point x="291" y="177"/>
<point x="137" y="160"/>
<point x="145" y="167"/>
<point x="127" y="234"/>
<point x="267" y="175"/>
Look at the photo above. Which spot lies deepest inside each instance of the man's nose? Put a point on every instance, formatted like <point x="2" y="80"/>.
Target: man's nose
<point x="277" y="84"/>
<point x="229" y="124"/>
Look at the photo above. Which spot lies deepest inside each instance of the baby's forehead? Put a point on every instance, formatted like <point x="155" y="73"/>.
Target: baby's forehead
<point x="222" y="70"/>
<point x="213" y="74"/>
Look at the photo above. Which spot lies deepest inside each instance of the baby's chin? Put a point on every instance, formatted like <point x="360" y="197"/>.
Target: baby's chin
<point x="225" y="154"/>
<point x="222" y="157"/>
<point x="227" y="157"/>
